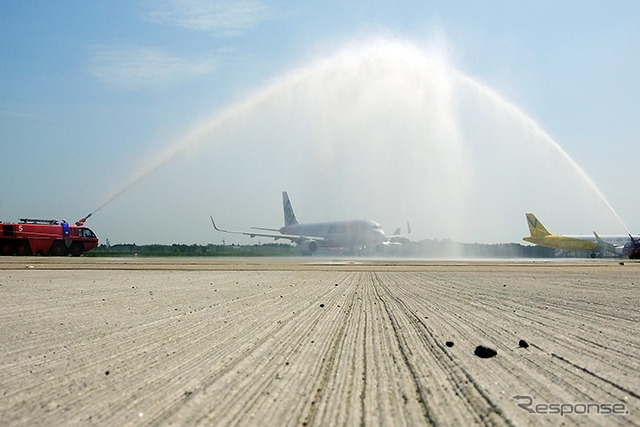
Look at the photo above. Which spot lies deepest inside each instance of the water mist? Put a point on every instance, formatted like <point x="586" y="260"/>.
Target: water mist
<point x="383" y="130"/>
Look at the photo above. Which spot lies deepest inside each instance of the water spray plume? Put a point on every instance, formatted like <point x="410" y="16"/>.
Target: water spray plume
<point x="384" y="117"/>
<point x="192" y="139"/>
<point x="529" y="122"/>
<point x="207" y="128"/>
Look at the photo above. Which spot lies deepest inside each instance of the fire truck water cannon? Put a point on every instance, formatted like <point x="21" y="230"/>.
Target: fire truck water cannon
<point x="46" y="237"/>
<point x="81" y="221"/>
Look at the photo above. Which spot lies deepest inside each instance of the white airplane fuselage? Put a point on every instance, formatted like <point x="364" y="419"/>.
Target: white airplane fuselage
<point x="353" y="234"/>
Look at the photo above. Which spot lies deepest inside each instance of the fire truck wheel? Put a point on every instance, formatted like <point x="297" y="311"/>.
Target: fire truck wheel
<point x="76" y="249"/>
<point x="58" y="249"/>
<point x="23" y="248"/>
<point x="6" y="248"/>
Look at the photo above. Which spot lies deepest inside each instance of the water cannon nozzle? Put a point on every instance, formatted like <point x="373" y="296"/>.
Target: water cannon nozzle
<point x="81" y="221"/>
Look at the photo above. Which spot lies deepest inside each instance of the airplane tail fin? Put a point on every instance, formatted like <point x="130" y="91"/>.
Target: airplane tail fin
<point x="289" y="216"/>
<point x="536" y="229"/>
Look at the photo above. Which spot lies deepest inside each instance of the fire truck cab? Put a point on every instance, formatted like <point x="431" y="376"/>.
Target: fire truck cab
<point x="46" y="237"/>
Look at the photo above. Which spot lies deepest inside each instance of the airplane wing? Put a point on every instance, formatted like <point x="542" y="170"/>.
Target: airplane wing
<point x="266" y="229"/>
<point x="292" y="237"/>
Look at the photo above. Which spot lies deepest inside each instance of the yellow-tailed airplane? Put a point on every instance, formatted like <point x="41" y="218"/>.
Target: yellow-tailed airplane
<point x="594" y="245"/>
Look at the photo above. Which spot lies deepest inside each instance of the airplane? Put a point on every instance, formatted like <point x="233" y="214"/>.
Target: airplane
<point x="597" y="246"/>
<point x="342" y="235"/>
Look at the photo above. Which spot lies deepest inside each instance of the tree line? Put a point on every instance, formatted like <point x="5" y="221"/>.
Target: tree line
<point x="424" y="248"/>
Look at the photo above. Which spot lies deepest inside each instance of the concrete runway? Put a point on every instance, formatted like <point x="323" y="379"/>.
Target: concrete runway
<point x="318" y="341"/>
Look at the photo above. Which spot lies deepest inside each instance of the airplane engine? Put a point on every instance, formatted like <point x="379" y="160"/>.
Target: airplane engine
<point x="308" y="247"/>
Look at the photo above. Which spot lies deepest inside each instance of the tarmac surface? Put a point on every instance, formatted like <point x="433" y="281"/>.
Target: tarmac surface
<point x="314" y="341"/>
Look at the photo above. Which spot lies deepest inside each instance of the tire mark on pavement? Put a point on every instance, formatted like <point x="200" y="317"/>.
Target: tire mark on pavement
<point x="477" y="400"/>
<point x="599" y="377"/>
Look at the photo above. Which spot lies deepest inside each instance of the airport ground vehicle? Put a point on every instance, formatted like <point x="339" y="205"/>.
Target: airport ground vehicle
<point x="632" y="248"/>
<point x="46" y="237"/>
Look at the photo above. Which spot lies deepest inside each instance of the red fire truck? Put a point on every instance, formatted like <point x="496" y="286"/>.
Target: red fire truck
<point x="46" y="237"/>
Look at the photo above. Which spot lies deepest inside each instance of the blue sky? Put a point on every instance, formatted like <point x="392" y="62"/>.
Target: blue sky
<point x="93" y="91"/>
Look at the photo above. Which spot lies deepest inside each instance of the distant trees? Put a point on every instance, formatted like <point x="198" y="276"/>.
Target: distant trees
<point x="424" y="249"/>
<point x="183" y="250"/>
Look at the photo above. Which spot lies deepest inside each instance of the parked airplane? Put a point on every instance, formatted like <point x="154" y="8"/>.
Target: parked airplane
<point x="597" y="246"/>
<point x="343" y="235"/>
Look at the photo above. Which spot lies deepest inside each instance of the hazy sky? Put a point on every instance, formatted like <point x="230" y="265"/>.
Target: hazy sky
<point x="442" y="113"/>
